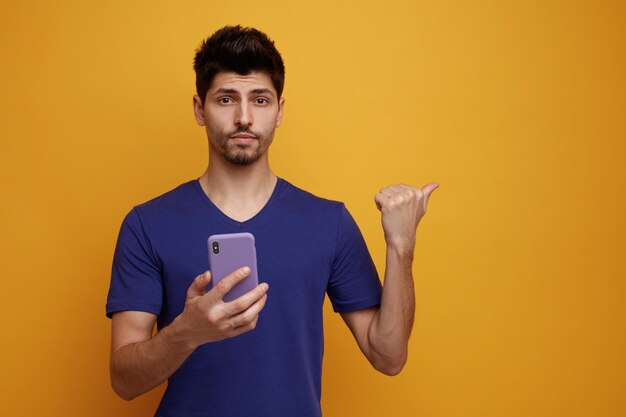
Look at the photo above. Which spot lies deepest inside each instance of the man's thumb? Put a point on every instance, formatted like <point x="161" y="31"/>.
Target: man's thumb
<point x="198" y="286"/>
<point x="428" y="190"/>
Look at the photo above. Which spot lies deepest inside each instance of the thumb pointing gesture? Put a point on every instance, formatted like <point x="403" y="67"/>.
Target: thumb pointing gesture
<point x="402" y="207"/>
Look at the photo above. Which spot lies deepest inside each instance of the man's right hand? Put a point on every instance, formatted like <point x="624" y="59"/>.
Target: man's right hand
<point x="140" y="362"/>
<point x="207" y="318"/>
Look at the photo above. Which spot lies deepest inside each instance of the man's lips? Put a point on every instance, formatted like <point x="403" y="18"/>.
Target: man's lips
<point x="243" y="139"/>
<point x="244" y="136"/>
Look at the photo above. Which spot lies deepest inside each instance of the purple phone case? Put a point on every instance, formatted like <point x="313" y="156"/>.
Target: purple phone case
<point x="235" y="251"/>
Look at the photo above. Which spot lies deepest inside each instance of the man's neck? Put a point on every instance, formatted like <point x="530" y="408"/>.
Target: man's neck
<point x="239" y="191"/>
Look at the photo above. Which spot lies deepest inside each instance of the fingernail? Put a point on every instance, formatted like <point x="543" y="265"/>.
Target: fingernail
<point x="245" y="270"/>
<point x="265" y="286"/>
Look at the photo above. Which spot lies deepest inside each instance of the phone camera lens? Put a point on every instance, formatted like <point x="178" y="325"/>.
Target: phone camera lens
<point x="216" y="248"/>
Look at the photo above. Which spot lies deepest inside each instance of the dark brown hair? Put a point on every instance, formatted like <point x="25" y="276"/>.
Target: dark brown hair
<point x="237" y="49"/>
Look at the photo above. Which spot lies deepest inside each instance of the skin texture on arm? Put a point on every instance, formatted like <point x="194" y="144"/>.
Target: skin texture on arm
<point x="382" y="333"/>
<point x="140" y="362"/>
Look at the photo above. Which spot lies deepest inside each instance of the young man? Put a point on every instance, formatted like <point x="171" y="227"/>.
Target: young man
<point x="225" y="358"/>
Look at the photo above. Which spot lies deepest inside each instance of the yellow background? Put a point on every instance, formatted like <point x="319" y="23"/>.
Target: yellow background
<point x="516" y="108"/>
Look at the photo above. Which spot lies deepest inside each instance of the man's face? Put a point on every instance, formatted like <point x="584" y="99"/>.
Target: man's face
<point x="240" y="114"/>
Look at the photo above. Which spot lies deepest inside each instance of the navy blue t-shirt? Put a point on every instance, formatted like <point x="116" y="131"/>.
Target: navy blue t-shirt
<point x="306" y="247"/>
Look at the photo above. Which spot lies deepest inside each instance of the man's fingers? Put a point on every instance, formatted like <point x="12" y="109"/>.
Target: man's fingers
<point x="198" y="286"/>
<point x="392" y="193"/>
<point x="401" y="193"/>
<point x="250" y="315"/>
<point x="378" y="199"/>
<point x="242" y="303"/>
<point x="228" y="282"/>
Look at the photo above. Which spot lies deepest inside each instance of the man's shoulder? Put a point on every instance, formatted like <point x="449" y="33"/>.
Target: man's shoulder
<point x="299" y="196"/>
<point x="178" y="198"/>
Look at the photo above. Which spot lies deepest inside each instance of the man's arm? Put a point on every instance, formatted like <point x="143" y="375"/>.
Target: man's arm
<point x="140" y="362"/>
<point x="382" y="333"/>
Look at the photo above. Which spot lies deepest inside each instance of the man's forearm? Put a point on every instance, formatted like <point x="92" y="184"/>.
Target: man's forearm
<point x="391" y="326"/>
<point x="402" y="207"/>
<point x="138" y="367"/>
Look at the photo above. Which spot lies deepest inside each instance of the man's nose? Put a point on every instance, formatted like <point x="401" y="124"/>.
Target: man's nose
<point x="243" y="117"/>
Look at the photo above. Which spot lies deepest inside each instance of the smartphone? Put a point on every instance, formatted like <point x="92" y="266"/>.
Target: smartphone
<point x="229" y="252"/>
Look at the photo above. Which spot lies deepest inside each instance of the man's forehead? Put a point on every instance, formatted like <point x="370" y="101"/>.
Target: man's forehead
<point x="256" y="80"/>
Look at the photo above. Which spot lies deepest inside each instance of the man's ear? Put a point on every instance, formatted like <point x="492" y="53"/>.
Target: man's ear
<point x="198" y="110"/>
<point x="281" y="107"/>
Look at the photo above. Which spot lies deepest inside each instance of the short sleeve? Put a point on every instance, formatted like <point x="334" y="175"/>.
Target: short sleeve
<point x="136" y="276"/>
<point x="354" y="282"/>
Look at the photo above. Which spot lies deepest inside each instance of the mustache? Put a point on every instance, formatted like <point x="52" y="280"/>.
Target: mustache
<point x="246" y="131"/>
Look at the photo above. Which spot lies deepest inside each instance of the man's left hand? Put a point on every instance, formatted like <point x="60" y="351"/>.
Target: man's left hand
<point x="402" y="207"/>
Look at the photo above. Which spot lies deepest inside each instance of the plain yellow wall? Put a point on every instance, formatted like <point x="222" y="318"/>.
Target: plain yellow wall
<point x="516" y="108"/>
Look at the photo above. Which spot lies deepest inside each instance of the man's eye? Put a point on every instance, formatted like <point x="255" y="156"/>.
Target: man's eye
<point x="225" y="100"/>
<point x="261" y="100"/>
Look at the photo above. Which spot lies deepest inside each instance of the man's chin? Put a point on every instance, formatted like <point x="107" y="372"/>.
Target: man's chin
<point x="242" y="158"/>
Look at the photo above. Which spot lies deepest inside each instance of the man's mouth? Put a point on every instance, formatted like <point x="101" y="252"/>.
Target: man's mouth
<point x="244" y="136"/>
<point x="243" y="139"/>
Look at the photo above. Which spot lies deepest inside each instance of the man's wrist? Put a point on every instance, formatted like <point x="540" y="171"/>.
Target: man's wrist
<point x="177" y="336"/>
<point x="401" y="249"/>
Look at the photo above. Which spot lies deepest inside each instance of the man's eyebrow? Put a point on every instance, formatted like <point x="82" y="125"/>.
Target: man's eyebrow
<point x="222" y="90"/>
<point x="263" y="91"/>
<point x="232" y="91"/>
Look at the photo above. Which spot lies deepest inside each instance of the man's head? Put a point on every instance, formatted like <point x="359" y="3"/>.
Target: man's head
<point x="239" y="78"/>
<point x="240" y="50"/>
